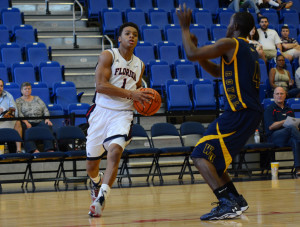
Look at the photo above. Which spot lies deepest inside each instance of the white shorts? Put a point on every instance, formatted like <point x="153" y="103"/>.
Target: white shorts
<point x="107" y="127"/>
<point x="291" y="52"/>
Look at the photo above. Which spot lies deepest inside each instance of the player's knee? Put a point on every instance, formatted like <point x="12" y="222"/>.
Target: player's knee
<point x="92" y="166"/>
<point x="115" y="152"/>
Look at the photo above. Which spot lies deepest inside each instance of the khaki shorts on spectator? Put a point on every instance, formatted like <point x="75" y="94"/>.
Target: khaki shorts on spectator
<point x="270" y="54"/>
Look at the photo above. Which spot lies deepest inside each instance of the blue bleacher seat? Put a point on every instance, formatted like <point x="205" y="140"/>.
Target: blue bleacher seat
<point x="4" y="4"/>
<point x="174" y="18"/>
<point x="50" y="73"/>
<point x="4" y="34"/>
<point x="271" y="14"/>
<point x="160" y="72"/>
<point x="224" y="17"/>
<point x="121" y="5"/>
<point x="136" y="16"/>
<point x="203" y="17"/>
<point x="13" y="89"/>
<point x="211" y="5"/>
<point x="266" y="102"/>
<point x="165" y="5"/>
<point x="189" y="3"/>
<point x="145" y="51"/>
<point x="186" y="72"/>
<point x="37" y="53"/>
<point x="11" y="17"/>
<point x="200" y="32"/>
<point x="263" y="71"/>
<point x="112" y="19"/>
<point x="290" y="17"/>
<point x="205" y="75"/>
<point x="4" y="73"/>
<point x="151" y="34"/>
<point x="79" y="109"/>
<point x="178" y="97"/>
<point x="10" y="53"/>
<point x="159" y="18"/>
<point x="296" y="108"/>
<point x="291" y="101"/>
<point x="41" y="90"/>
<point x="56" y="110"/>
<point x="218" y="31"/>
<point x="168" y="52"/>
<point x="144" y="5"/>
<point x="203" y="96"/>
<point x="95" y="7"/>
<point x="23" y="72"/>
<point x="24" y="34"/>
<point x="173" y="34"/>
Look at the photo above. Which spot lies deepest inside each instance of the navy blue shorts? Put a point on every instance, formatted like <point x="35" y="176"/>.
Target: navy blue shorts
<point x="226" y="136"/>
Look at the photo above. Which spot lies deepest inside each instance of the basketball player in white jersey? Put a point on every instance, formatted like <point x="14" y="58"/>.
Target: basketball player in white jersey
<point x="118" y="77"/>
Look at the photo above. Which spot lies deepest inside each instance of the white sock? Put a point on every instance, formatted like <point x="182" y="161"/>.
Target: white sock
<point x="272" y="3"/>
<point x="97" y="179"/>
<point x="105" y="189"/>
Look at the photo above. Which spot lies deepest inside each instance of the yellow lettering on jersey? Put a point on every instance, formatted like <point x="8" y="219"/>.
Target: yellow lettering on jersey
<point x="231" y="89"/>
<point x="229" y="82"/>
<point x="231" y="97"/>
<point x="228" y="73"/>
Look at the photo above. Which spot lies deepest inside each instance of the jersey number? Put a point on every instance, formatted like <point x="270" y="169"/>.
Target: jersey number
<point x="124" y="83"/>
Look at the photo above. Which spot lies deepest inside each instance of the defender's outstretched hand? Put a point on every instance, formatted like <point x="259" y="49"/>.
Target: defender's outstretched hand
<point x="184" y="15"/>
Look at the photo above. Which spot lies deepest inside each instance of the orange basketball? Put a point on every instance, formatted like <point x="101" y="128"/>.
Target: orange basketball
<point x="149" y="108"/>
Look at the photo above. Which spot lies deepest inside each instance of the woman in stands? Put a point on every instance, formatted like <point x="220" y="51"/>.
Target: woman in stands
<point x="253" y="40"/>
<point x="33" y="106"/>
<point x="280" y="77"/>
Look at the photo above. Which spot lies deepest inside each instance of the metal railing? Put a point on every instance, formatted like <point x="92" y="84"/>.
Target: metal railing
<point x="75" y="45"/>
<point x="47" y="7"/>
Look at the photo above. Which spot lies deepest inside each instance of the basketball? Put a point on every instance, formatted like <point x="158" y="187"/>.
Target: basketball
<point x="149" y="108"/>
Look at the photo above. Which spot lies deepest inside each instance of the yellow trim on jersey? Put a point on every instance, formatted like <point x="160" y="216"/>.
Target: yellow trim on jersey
<point x="226" y="154"/>
<point x="235" y="52"/>
<point x="223" y="80"/>
<point x="246" y="40"/>
<point x="237" y="84"/>
<point x="220" y="136"/>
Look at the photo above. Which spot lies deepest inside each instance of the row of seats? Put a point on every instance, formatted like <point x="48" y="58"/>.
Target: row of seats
<point x="97" y="6"/>
<point x="11" y="17"/>
<point x="35" y="53"/>
<point x="49" y="72"/>
<point x="22" y="34"/>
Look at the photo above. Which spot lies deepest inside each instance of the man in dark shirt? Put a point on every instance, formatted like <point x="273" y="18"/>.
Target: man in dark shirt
<point x="275" y="116"/>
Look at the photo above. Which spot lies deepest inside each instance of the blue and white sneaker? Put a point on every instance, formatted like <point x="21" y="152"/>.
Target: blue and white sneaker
<point x="240" y="201"/>
<point x="96" y="187"/>
<point x="98" y="205"/>
<point x="226" y="209"/>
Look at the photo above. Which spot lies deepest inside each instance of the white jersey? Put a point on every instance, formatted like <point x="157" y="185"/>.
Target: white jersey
<point x="124" y="74"/>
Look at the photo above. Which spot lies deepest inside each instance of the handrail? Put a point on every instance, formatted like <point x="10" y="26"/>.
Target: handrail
<point x="75" y="45"/>
<point x="109" y="40"/>
<point x="47" y="7"/>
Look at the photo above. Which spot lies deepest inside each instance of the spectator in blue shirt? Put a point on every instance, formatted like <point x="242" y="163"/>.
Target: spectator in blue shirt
<point x="7" y="102"/>
<point x="274" y="117"/>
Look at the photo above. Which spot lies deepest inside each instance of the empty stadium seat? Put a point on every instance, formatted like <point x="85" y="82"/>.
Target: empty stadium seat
<point x="79" y="109"/>
<point x="211" y="5"/>
<point x="144" y="5"/>
<point x="145" y="51"/>
<point x="50" y="73"/>
<point x="10" y="53"/>
<point x="41" y="89"/>
<point x="178" y="97"/>
<point x="168" y="52"/>
<point x="186" y="72"/>
<point x="165" y="5"/>
<point x="11" y="17"/>
<point x="203" y="17"/>
<point x="13" y="89"/>
<point x="263" y="71"/>
<point x="203" y="96"/>
<point x="112" y="19"/>
<point x="160" y="72"/>
<point x="37" y="53"/>
<point x="24" y="34"/>
<point x="218" y="31"/>
<point x="4" y="34"/>
<point x="271" y="14"/>
<point x="173" y="34"/>
<point x="4" y="4"/>
<point x="4" y="73"/>
<point x="151" y="34"/>
<point x="95" y="7"/>
<point x="200" y="32"/>
<point x="158" y="18"/>
<point x="23" y="72"/>
<point x="136" y="16"/>
<point x="121" y="5"/>
<point x="189" y="3"/>
<point x="290" y="17"/>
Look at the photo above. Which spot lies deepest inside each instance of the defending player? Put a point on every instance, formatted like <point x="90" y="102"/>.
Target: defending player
<point x="118" y="76"/>
<point x="227" y="135"/>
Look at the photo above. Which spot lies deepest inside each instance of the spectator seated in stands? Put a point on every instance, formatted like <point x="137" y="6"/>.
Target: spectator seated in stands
<point x="280" y="77"/>
<point x="253" y="40"/>
<point x="290" y="46"/>
<point x="269" y="39"/>
<point x="276" y="4"/>
<point x="282" y="136"/>
<point x="235" y="5"/>
<point x="8" y="110"/>
<point x="33" y="106"/>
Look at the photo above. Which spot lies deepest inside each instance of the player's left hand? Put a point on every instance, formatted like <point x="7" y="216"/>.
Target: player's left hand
<point x="184" y="15"/>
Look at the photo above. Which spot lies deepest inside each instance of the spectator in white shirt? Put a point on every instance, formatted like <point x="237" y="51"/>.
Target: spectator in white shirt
<point x="269" y="39"/>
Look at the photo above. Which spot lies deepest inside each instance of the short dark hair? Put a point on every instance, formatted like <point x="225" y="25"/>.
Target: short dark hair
<point x="245" y="22"/>
<point x="263" y="18"/>
<point x="280" y="55"/>
<point x="25" y="84"/>
<point x="127" y="24"/>
<point x="285" y="27"/>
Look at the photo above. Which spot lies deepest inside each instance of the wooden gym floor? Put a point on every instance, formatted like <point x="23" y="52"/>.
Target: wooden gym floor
<point x="273" y="203"/>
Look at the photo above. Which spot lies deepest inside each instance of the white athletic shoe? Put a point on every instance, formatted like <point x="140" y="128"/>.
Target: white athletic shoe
<point x="97" y="206"/>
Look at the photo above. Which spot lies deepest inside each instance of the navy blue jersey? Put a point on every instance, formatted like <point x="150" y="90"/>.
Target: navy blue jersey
<point x="241" y="78"/>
